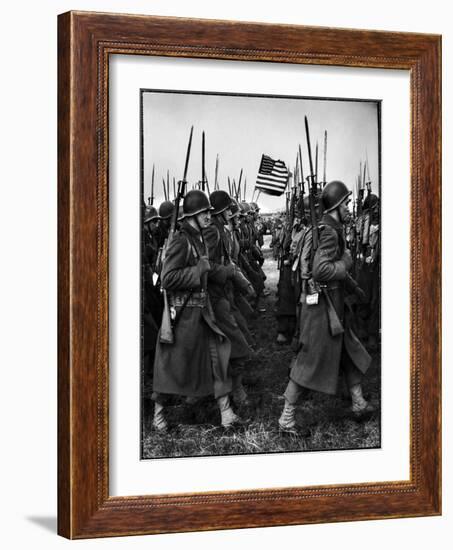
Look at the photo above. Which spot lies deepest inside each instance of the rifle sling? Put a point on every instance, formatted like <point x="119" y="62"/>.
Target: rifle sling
<point x="335" y="325"/>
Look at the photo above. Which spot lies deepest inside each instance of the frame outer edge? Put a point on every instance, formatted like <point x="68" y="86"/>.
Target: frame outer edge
<point x="64" y="343"/>
<point x="81" y="510"/>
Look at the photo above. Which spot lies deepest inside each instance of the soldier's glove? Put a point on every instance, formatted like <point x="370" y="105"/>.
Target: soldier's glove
<point x="360" y="294"/>
<point x="203" y="265"/>
<point x="347" y="259"/>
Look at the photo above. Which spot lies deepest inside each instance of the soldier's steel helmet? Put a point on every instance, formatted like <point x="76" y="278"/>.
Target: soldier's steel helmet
<point x="151" y="214"/>
<point x="195" y="202"/>
<point x="166" y="210"/>
<point x="254" y="207"/>
<point x="220" y="201"/>
<point x="307" y="201"/>
<point x="370" y="201"/>
<point x="245" y="208"/>
<point x="333" y="194"/>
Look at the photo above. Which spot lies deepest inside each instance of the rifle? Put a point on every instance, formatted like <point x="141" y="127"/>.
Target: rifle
<point x="165" y="189"/>
<point x="312" y="193"/>
<point x="152" y="187"/>
<point x="364" y="177"/>
<point x="202" y="162"/>
<point x="302" y="180"/>
<point x="204" y="179"/>
<point x="316" y="163"/>
<point x="238" y="192"/>
<point x="216" y="183"/>
<point x="166" y="329"/>
<point x="324" y="181"/>
<point x="368" y="182"/>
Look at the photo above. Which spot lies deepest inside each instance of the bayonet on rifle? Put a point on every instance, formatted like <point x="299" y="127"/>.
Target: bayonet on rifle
<point x="216" y="182"/>
<point x="312" y="191"/>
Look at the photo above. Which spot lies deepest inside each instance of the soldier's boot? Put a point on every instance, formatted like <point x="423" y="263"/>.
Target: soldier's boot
<point x="239" y="394"/>
<point x="287" y="420"/>
<point x="159" y="422"/>
<point x="228" y="418"/>
<point x="360" y="406"/>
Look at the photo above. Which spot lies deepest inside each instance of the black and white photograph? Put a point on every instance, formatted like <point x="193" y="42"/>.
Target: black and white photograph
<point x="260" y="274"/>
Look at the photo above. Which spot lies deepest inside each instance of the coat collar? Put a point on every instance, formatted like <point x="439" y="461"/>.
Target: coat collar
<point x="218" y="223"/>
<point x="191" y="231"/>
<point x="327" y="219"/>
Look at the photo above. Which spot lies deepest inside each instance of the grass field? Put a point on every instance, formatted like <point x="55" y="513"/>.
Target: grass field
<point x="327" y="420"/>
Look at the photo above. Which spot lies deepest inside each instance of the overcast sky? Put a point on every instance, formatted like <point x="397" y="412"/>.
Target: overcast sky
<point x="241" y="128"/>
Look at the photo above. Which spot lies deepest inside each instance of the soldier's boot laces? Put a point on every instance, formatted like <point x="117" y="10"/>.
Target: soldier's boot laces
<point x="287" y="420"/>
<point x="159" y="422"/>
<point x="360" y="405"/>
<point x="228" y="417"/>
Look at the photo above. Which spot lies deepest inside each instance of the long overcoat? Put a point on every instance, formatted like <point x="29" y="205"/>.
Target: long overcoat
<point x="317" y="364"/>
<point x="219" y="287"/>
<point x="196" y="364"/>
<point x="286" y="303"/>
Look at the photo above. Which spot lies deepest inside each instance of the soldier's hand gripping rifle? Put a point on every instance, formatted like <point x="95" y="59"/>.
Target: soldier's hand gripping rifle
<point x="166" y="329"/>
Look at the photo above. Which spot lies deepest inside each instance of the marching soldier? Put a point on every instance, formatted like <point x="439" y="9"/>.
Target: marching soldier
<point x="328" y="344"/>
<point x="369" y="270"/>
<point x="286" y="302"/>
<point x="196" y="363"/>
<point x="253" y="256"/>
<point x="237" y="256"/>
<point x="152" y="303"/>
<point x="220" y="286"/>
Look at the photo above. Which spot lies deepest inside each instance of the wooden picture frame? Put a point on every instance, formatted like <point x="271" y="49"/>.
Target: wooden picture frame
<point x="85" y="41"/>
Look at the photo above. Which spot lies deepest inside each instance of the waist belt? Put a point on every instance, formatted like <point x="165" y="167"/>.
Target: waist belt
<point x="334" y="285"/>
<point x="196" y="299"/>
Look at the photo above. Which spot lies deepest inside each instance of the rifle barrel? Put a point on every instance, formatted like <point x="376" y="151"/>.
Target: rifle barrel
<point x="316" y="163"/>
<point x="165" y="188"/>
<point x="302" y="180"/>
<point x="186" y="166"/>
<point x="312" y="191"/>
<point x="202" y="162"/>
<point x="307" y="133"/>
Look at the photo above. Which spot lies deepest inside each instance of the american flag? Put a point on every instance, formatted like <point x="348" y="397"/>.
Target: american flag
<point x="272" y="176"/>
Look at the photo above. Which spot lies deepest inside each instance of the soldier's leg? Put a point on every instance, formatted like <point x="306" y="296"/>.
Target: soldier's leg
<point x="360" y="406"/>
<point x="237" y="372"/>
<point x="159" y="422"/>
<point x="228" y="417"/>
<point x="287" y="420"/>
